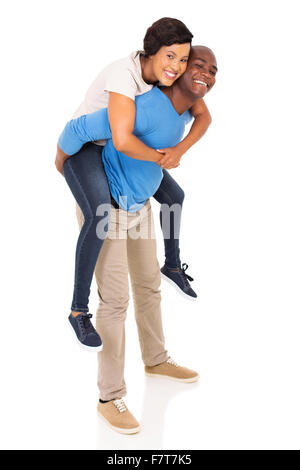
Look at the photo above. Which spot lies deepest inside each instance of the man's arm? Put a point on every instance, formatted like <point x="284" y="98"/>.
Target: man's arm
<point x="200" y="125"/>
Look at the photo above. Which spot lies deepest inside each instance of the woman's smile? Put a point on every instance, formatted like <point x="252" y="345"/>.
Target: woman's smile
<point x="170" y="75"/>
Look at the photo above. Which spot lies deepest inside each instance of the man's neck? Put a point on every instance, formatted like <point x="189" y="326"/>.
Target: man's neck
<point x="181" y="100"/>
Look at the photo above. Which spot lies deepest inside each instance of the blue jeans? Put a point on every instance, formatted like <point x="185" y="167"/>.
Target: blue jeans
<point x="86" y="177"/>
<point x="170" y="193"/>
<point x="85" y="174"/>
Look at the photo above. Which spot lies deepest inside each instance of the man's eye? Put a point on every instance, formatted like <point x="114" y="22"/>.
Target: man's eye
<point x="199" y="65"/>
<point x="213" y="72"/>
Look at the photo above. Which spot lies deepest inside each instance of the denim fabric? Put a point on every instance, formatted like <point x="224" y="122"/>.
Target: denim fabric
<point x="85" y="175"/>
<point x="169" y="192"/>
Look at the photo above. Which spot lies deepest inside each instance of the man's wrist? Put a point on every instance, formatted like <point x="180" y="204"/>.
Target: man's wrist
<point x="182" y="147"/>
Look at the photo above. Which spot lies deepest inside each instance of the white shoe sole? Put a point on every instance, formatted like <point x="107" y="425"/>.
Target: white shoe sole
<point x="120" y="430"/>
<point x="168" y="377"/>
<point x="183" y="294"/>
<point x="83" y="346"/>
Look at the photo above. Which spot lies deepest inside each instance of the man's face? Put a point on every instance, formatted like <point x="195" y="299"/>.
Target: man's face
<point x="200" y="75"/>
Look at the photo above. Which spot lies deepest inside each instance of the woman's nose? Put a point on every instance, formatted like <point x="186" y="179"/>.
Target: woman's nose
<point x="175" y="68"/>
<point x="176" y="65"/>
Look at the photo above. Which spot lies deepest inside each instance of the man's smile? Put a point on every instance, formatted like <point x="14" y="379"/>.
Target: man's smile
<point x="201" y="82"/>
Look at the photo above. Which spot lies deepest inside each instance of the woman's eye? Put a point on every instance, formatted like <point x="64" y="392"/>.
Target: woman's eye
<point x="170" y="56"/>
<point x="184" y="60"/>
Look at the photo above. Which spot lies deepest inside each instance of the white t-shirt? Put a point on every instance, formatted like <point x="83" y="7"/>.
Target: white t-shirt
<point x="123" y="76"/>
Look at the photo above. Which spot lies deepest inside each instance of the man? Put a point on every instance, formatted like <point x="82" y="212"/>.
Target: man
<point x="130" y="246"/>
<point x="124" y="252"/>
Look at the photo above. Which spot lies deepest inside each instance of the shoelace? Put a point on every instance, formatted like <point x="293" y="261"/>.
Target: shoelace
<point x="185" y="276"/>
<point x="171" y="361"/>
<point x="85" y="324"/>
<point x="120" y="405"/>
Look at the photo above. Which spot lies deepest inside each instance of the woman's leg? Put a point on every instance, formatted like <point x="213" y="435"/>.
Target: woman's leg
<point x="85" y="175"/>
<point x="171" y="196"/>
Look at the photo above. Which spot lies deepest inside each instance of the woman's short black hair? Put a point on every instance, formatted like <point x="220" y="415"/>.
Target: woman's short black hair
<point x="165" y="32"/>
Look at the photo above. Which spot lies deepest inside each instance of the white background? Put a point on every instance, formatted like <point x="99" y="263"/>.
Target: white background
<point x="240" y="233"/>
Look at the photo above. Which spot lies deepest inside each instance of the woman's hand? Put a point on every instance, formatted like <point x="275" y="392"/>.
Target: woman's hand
<point x="171" y="157"/>
<point x="61" y="157"/>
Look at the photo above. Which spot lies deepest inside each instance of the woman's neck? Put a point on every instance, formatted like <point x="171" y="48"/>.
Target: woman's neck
<point x="147" y="70"/>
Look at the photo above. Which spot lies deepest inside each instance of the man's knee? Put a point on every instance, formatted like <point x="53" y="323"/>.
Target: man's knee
<point x="147" y="282"/>
<point x="113" y="306"/>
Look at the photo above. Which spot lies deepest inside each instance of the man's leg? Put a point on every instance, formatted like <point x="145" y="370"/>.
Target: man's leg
<point x="145" y="279"/>
<point x="112" y="279"/>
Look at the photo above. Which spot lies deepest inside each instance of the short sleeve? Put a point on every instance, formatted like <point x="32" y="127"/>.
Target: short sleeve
<point x="120" y="80"/>
<point x="188" y="116"/>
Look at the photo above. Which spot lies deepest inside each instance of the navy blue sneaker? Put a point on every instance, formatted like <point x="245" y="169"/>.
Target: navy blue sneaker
<point x="85" y="332"/>
<point x="180" y="280"/>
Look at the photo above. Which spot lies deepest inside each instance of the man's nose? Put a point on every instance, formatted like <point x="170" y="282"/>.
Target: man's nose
<point x="205" y="71"/>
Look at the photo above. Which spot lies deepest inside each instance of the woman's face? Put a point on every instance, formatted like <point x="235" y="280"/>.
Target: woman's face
<point x="170" y="62"/>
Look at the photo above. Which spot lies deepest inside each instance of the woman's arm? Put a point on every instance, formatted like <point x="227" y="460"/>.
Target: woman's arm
<point x="94" y="126"/>
<point x="121" y="114"/>
<point x="200" y="125"/>
<point x="77" y="132"/>
<point x="86" y="128"/>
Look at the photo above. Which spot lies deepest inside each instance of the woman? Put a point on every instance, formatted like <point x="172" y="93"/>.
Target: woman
<point x="166" y="49"/>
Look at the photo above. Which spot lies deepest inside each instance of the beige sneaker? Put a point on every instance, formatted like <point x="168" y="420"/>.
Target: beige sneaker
<point x="170" y="370"/>
<point x="118" y="417"/>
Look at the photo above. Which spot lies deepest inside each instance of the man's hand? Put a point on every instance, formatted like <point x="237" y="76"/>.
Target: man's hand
<point x="61" y="157"/>
<point x="171" y="158"/>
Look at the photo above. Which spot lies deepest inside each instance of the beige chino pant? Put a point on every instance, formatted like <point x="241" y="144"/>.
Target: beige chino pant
<point x="130" y="247"/>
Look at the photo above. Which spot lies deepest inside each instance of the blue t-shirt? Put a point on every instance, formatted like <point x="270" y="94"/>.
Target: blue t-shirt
<point x="157" y="124"/>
